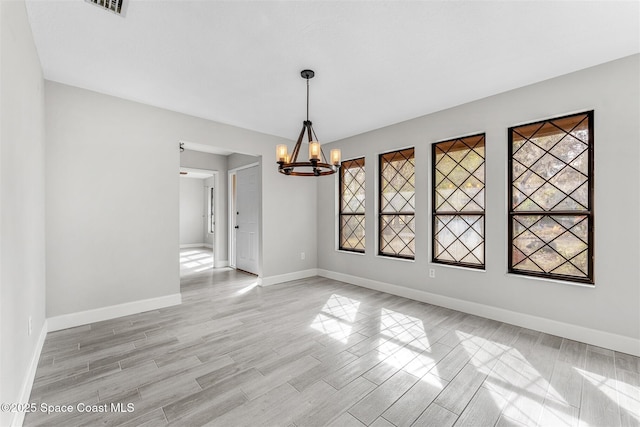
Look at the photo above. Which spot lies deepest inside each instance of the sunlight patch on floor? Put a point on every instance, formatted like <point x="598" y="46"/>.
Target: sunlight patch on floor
<point x="405" y="345"/>
<point x="195" y="261"/>
<point x="336" y="317"/>
<point x="246" y="289"/>
<point x="421" y="365"/>
<point x="625" y="395"/>
<point x="402" y="327"/>
<point x="515" y="381"/>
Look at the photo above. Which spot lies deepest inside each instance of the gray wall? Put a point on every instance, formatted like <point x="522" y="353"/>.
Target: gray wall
<point x="200" y="160"/>
<point x="107" y="204"/>
<point x="122" y="245"/>
<point x="22" y="209"/>
<point x="612" y="90"/>
<point x="192" y="211"/>
<point x="237" y="160"/>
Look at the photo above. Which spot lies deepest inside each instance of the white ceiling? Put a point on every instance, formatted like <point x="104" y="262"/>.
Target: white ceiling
<point x="376" y="62"/>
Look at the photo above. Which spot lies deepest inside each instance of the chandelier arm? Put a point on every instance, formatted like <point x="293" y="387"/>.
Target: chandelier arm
<point x="309" y="128"/>
<point x="313" y="131"/>
<point x="324" y="158"/>
<point x="296" y="148"/>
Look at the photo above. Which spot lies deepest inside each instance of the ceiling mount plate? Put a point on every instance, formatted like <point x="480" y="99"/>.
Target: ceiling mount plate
<point x="307" y="74"/>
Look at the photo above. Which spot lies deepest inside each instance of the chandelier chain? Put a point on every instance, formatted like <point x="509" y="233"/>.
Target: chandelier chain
<point x="307" y="99"/>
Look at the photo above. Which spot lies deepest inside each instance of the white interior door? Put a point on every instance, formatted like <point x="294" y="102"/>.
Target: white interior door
<point x="247" y="219"/>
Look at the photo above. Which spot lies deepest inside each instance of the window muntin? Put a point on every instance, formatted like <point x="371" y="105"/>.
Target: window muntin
<point x="397" y="204"/>
<point x="352" y="206"/>
<point x="458" y="201"/>
<point x="551" y="198"/>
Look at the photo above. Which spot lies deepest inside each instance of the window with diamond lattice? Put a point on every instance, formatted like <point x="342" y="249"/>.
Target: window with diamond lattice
<point x="352" y="225"/>
<point x="458" y="201"/>
<point x="397" y="204"/>
<point x="551" y="198"/>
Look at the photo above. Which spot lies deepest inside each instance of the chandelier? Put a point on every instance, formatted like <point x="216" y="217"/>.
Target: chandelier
<point x="317" y="164"/>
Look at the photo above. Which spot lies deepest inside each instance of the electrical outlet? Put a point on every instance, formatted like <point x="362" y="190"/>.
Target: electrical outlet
<point x="432" y="273"/>
<point x="302" y="255"/>
<point x="30" y="325"/>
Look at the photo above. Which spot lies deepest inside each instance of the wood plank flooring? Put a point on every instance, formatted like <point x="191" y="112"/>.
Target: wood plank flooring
<point x="319" y="352"/>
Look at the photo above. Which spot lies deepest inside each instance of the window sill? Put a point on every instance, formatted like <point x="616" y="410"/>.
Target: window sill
<point x="342" y="251"/>
<point x="395" y="258"/>
<point x="555" y="281"/>
<point x="457" y="267"/>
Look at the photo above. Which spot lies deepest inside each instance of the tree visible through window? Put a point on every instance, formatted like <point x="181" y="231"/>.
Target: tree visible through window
<point x="352" y="204"/>
<point x="551" y="198"/>
<point x="397" y="204"/>
<point x="458" y="201"/>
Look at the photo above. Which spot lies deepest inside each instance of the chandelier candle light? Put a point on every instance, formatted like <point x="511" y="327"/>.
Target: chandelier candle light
<point x="317" y="164"/>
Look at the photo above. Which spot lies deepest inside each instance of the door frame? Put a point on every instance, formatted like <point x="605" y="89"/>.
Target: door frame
<point x="231" y="193"/>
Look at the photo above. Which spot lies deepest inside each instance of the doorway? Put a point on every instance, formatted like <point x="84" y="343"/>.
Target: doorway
<point x="197" y="220"/>
<point x="244" y="214"/>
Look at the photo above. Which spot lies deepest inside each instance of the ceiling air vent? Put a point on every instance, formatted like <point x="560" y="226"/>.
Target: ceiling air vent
<point x="115" y="6"/>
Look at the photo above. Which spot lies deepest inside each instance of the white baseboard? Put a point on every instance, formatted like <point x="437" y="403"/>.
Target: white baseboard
<point x="208" y="245"/>
<point x="220" y="264"/>
<point x="596" y="337"/>
<point x="195" y="245"/>
<point x="111" y="312"/>
<point x="296" y="275"/>
<point x="27" y="385"/>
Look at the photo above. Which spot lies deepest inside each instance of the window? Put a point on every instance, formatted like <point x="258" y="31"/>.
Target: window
<point x="397" y="204"/>
<point x="458" y="201"/>
<point x="212" y="221"/>
<point x="551" y="198"/>
<point x="352" y="225"/>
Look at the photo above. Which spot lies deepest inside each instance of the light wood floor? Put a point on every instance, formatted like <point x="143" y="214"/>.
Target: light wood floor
<point x="195" y="260"/>
<point x="320" y="352"/>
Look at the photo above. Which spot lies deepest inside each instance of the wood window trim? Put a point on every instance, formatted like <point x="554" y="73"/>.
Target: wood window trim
<point x="459" y="144"/>
<point x="403" y="154"/>
<point x="358" y="162"/>
<point x="589" y="278"/>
